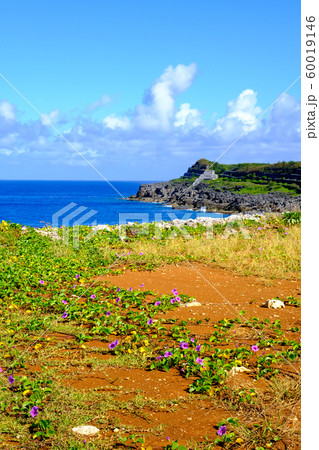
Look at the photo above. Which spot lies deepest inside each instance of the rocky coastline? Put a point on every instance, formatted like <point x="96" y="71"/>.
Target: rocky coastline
<point x="181" y="196"/>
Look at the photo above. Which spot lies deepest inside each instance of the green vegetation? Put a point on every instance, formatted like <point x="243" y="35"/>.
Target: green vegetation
<point x="251" y="187"/>
<point x="59" y="323"/>
<point x="281" y="167"/>
<point x="248" y="178"/>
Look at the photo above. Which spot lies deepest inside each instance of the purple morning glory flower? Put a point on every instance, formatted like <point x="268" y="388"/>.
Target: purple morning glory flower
<point x="254" y="348"/>
<point x="64" y="302"/>
<point x="199" y="361"/>
<point x="34" y="411"/>
<point x="222" y="430"/>
<point x="108" y="313"/>
<point x="113" y="344"/>
<point x="177" y="299"/>
<point x="65" y="315"/>
<point x="174" y="291"/>
<point x="167" y="354"/>
<point x="197" y="348"/>
<point x="41" y="282"/>
<point x="142" y="285"/>
<point x="130" y="289"/>
<point x="11" y="379"/>
<point x="117" y="299"/>
<point x="118" y="289"/>
<point x="157" y="303"/>
<point x="172" y="301"/>
<point x="183" y="345"/>
<point x="77" y="276"/>
<point x="93" y="296"/>
<point x="149" y="322"/>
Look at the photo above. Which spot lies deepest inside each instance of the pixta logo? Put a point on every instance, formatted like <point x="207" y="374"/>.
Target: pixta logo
<point x="74" y="218"/>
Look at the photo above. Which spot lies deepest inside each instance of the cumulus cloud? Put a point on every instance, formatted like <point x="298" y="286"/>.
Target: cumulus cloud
<point x="240" y="116"/>
<point x="7" y="110"/>
<point x="187" y="117"/>
<point x="113" y="122"/>
<point x="283" y="121"/>
<point x="158" y="108"/>
<point x="155" y="133"/>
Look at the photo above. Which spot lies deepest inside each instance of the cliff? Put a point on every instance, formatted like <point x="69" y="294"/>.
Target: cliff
<point x="239" y="188"/>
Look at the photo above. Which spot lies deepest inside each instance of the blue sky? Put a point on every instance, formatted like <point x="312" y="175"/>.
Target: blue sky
<point x="143" y="89"/>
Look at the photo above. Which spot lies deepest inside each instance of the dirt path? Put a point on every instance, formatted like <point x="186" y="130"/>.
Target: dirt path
<point x="220" y="294"/>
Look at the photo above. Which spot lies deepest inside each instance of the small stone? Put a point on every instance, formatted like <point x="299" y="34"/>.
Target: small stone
<point x="241" y="369"/>
<point x="274" y="304"/>
<point x="191" y="304"/>
<point x="116" y="430"/>
<point x="86" y="430"/>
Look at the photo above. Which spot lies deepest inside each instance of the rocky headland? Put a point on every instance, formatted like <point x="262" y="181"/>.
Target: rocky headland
<point x="224" y="194"/>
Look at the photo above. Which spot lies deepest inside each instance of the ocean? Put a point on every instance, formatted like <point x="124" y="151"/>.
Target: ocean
<point x="56" y="203"/>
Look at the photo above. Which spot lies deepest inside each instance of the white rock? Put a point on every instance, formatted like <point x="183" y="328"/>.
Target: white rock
<point x="274" y="304"/>
<point x="86" y="430"/>
<point x="191" y="304"/>
<point x="241" y="369"/>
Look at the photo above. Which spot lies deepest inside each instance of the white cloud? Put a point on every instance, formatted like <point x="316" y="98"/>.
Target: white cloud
<point x="7" y="110"/>
<point x="50" y="118"/>
<point x="156" y="135"/>
<point x="114" y="122"/>
<point x="188" y="117"/>
<point x="158" y="108"/>
<point x="283" y="121"/>
<point x="103" y="101"/>
<point x="241" y="114"/>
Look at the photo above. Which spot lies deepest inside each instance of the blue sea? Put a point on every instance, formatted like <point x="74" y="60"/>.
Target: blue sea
<point x="56" y="203"/>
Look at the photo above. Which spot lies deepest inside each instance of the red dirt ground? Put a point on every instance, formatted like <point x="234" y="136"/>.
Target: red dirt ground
<point x="221" y="294"/>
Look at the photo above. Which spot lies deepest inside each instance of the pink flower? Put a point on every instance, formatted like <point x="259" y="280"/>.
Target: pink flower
<point x="93" y="296"/>
<point x="141" y="253"/>
<point x="200" y="361"/>
<point x="41" y="282"/>
<point x="254" y="348"/>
